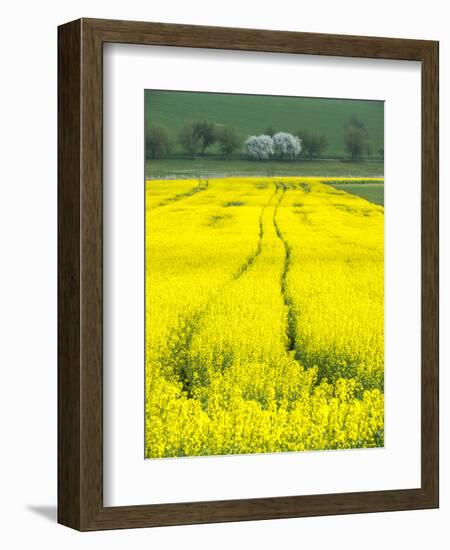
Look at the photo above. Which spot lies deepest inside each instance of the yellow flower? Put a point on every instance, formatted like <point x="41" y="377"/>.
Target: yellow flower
<point x="264" y="317"/>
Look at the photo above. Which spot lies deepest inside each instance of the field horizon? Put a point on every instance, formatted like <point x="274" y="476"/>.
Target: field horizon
<point x="214" y="167"/>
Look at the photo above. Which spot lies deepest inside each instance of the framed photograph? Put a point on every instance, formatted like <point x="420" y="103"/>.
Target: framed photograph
<point x="248" y="274"/>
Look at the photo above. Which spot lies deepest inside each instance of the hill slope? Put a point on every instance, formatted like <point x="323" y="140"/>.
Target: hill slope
<point x="250" y="114"/>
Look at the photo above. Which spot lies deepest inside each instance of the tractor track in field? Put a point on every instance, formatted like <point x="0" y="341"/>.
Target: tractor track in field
<point x="183" y="333"/>
<point x="201" y="186"/>
<point x="189" y="325"/>
<point x="251" y="259"/>
<point x="291" y="320"/>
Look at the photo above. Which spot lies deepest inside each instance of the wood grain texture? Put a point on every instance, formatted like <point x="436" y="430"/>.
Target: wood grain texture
<point x="69" y="245"/>
<point x="80" y="264"/>
<point x="430" y="273"/>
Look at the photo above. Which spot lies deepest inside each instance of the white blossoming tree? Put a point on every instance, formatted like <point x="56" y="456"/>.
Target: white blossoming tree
<point x="259" y="147"/>
<point x="286" y="145"/>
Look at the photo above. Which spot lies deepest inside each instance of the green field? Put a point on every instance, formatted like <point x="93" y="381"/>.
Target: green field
<point x="252" y="114"/>
<point x="373" y="192"/>
<point x="208" y="167"/>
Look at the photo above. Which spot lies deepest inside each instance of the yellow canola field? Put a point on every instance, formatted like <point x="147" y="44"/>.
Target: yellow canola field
<point x="264" y="317"/>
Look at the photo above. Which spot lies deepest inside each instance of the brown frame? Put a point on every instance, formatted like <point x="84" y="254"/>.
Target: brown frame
<point x="80" y="415"/>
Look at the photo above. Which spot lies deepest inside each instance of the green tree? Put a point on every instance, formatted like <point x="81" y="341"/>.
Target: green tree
<point x="355" y="138"/>
<point x="158" y="142"/>
<point x="205" y="131"/>
<point x="357" y="123"/>
<point x="228" y="140"/>
<point x="190" y="140"/>
<point x="313" y="143"/>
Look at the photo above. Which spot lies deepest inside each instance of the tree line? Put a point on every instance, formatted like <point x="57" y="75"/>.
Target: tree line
<point x="197" y="137"/>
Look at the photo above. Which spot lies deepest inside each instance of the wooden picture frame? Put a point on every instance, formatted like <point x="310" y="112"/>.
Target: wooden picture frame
<point x="80" y="271"/>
